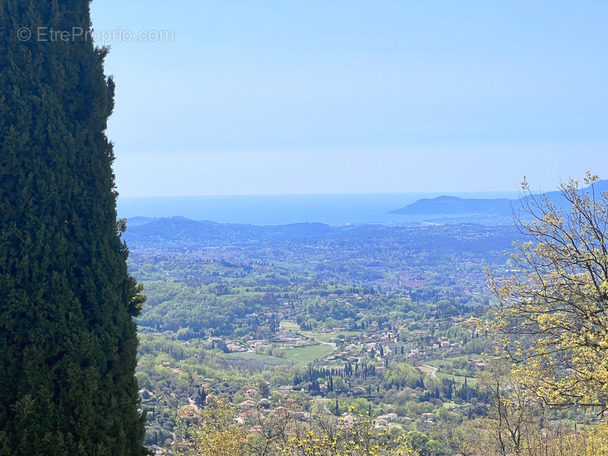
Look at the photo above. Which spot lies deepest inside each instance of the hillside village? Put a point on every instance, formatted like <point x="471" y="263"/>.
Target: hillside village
<point x="336" y="368"/>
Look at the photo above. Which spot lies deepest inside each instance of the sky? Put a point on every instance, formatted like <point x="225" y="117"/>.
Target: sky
<point x="233" y="97"/>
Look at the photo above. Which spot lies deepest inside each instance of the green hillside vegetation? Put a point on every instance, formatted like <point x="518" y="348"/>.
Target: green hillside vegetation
<point x="411" y="347"/>
<point x="308" y="354"/>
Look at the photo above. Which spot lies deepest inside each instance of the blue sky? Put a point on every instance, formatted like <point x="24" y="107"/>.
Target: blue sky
<point x="307" y="96"/>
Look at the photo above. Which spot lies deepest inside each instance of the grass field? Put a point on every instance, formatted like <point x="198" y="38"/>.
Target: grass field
<point x="289" y="325"/>
<point x="458" y="379"/>
<point x="308" y="354"/>
<point x="328" y="337"/>
<point x="256" y="356"/>
<point x="436" y="362"/>
<point x="450" y="405"/>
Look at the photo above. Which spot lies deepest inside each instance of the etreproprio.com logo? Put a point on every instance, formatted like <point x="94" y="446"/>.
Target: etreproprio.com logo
<point x="49" y="34"/>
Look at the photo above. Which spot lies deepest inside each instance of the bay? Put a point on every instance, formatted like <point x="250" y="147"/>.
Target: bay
<point x="331" y="209"/>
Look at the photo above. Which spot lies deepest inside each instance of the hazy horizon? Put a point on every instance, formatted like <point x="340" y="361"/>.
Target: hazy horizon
<point x="491" y="193"/>
<point x="332" y="209"/>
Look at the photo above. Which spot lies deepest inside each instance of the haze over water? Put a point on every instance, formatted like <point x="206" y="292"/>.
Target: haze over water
<point x="333" y="209"/>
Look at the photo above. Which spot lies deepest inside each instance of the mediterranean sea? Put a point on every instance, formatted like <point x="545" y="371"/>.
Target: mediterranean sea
<point x="331" y="209"/>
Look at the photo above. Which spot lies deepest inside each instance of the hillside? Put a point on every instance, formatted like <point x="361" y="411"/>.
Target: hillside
<point x="499" y="211"/>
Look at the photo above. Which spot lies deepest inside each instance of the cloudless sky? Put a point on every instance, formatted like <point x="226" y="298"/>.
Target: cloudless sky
<point x="311" y="96"/>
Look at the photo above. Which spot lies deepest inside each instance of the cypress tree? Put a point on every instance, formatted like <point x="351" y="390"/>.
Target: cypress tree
<point x="67" y="337"/>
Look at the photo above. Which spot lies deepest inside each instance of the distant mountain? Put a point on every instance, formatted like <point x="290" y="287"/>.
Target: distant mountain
<point x="452" y="205"/>
<point x="451" y="209"/>
<point x="133" y="221"/>
<point x="179" y="234"/>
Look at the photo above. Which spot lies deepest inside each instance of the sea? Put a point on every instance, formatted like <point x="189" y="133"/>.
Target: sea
<point x="331" y="209"/>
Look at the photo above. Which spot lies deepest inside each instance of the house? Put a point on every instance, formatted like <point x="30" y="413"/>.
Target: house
<point x="381" y="423"/>
<point x="145" y="394"/>
<point x="347" y="420"/>
<point x="189" y="411"/>
<point x="479" y="365"/>
<point x="257" y="343"/>
<point x="247" y="405"/>
<point x="428" y="417"/>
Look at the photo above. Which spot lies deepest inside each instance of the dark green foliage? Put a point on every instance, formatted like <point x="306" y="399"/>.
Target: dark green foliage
<point x="67" y="338"/>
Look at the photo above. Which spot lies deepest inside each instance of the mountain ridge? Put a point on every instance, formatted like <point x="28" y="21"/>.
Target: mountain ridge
<point x="501" y="210"/>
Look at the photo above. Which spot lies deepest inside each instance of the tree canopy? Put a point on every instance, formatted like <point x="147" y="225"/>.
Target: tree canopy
<point x="67" y="337"/>
<point x="554" y="305"/>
